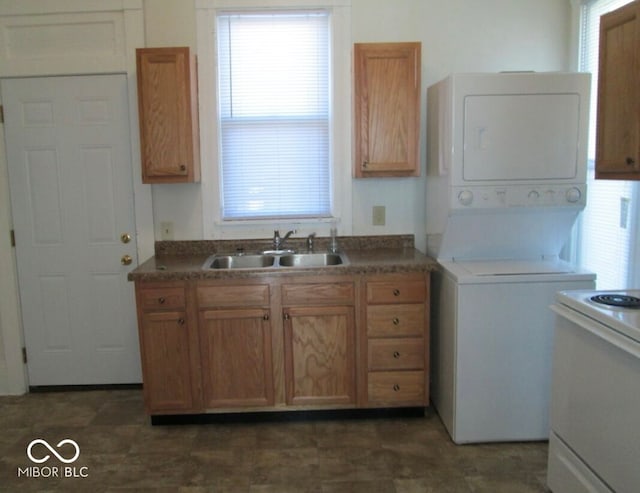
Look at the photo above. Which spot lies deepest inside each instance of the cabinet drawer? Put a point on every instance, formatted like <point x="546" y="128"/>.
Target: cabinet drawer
<point x="318" y="293"/>
<point x="396" y="354"/>
<point x="400" y="387"/>
<point x="162" y="298"/>
<point x="396" y="292"/>
<point x="240" y="295"/>
<point x="395" y="320"/>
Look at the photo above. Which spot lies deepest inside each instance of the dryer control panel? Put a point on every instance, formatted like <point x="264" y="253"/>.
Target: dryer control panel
<point x="492" y="197"/>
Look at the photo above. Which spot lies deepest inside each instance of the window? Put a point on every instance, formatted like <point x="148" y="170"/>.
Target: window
<point x="274" y="111"/>
<point x="609" y="224"/>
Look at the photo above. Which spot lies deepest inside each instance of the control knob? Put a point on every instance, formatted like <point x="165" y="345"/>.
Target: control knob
<point x="465" y="197"/>
<point x="573" y="195"/>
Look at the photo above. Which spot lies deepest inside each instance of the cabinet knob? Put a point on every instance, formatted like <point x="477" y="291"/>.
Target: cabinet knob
<point x="286" y="316"/>
<point x="396" y="354"/>
<point x="265" y="317"/>
<point x="396" y="320"/>
<point x="630" y="161"/>
<point x="396" y="292"/>
<point x="125" y="237"/>
<point x="396" y="387"/>
<point x="365" y="164"/>
<point x="161" y="300"/>
<point x="183" y="167"/>
<point x="181" y="321"/>
<point x="126" y="260"/>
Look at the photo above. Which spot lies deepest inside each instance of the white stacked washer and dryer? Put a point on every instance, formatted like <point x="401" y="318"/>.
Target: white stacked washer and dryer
<point x="506" y="182"/>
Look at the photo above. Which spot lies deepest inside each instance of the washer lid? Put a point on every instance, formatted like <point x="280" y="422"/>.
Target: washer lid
<point x="515" y="267"/>
<point x="516" y="271"/>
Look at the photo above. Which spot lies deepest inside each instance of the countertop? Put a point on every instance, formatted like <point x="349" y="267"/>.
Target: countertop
<point x="366" y="255"/>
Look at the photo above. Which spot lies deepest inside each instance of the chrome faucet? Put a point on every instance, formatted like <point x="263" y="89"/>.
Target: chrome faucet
<point x="278" y="242"/>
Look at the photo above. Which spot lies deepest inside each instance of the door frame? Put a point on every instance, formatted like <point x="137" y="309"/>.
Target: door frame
<point x="122" y="20"/>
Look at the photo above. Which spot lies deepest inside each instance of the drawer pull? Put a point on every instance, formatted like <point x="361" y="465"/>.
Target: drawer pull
<point x="396" y="292"/>
<point x="161" y="300"/>
<point x="396" y="387"/>
<point x="396" y="354"/>
<point x="181" y="321"/>
<point x="396" y="320"/>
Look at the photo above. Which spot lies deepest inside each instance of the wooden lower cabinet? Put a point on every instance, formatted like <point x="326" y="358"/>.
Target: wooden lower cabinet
<point x="283" y="343"/>
<point x="319" y="342"/>
<point x="320" y="355"/>
<point x="234" y="327"/>
<point x="235" y="351"/>
<point x="168" y="350"/>
<point x="396" y="336"/>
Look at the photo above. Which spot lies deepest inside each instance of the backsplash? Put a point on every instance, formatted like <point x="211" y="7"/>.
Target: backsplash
<point x="321" y="244"/>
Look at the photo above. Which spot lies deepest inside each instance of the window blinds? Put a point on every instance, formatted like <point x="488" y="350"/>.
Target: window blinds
<point x="609" y="222"/>
<point x="274" y="113"/>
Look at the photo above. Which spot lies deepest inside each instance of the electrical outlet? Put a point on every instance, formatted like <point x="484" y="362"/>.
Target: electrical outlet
<point x="378" y="216"/>
<point x="166" y="230"/>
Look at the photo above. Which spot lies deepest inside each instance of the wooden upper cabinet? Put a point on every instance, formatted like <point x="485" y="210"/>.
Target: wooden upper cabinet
<point x="387" y="109"/>
<point x="168" y="111"/>
<point x="618" y="116"/>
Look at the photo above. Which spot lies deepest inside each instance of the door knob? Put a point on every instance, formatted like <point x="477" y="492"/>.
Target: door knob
<point x="126" y="260"/>
<point x="125" y="237"/>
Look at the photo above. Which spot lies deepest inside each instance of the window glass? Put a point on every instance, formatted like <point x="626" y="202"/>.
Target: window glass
<point x="274" y="114"/>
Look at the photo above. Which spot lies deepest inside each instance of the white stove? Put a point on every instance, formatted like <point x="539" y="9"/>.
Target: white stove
<point x="620" y="310"/>
<point x="594" y="442"/>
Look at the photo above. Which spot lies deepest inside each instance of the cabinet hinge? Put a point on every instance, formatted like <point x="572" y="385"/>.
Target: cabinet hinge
<point x="24" y="355"/>
<point x="13" y="238"/>
<point x="1" y="114"/>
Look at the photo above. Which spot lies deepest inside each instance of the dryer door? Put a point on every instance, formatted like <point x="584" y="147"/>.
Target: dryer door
<point x="520" y="137"/>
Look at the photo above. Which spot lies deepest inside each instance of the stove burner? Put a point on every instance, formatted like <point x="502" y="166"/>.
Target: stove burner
<point x="620" y="300"/>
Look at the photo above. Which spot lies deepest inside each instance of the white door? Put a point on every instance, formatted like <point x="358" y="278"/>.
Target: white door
<point x="68" y="152"/>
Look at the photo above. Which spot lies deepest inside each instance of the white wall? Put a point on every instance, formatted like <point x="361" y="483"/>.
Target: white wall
<point x="456" y="36"/>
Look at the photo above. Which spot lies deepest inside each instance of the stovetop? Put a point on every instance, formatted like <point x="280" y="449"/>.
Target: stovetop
<point x="617" y="299"/>
<point x="616" y="314"/>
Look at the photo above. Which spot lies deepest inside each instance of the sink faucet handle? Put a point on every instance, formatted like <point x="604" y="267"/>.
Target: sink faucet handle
<point x="310" y="242"/>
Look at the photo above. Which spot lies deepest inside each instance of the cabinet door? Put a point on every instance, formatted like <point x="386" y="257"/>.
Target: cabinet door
<point x="618" y="125"/>
<point x="168" y="112"/>
<point x="235" y="349"/>
<point x="166" y="362"/>
<point x="319" y="355"/>
<point x="387" y="109"/>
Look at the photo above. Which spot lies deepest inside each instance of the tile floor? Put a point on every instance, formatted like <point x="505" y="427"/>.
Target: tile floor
<point x="121" y="451"/>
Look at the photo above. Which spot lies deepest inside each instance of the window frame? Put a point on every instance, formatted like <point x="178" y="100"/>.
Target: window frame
<point x="214" y="227"/>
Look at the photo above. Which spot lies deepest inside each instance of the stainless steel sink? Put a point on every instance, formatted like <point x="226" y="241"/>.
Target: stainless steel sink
<point x="312" y="260"/>
<point x="239" y="261"/>
<point x="260" y="261"/>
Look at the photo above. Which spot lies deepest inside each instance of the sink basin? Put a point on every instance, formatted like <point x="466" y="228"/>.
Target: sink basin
<point x="312" y="260"/>
<point x="259" y="261"/>
<point x="239" y="261"/>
